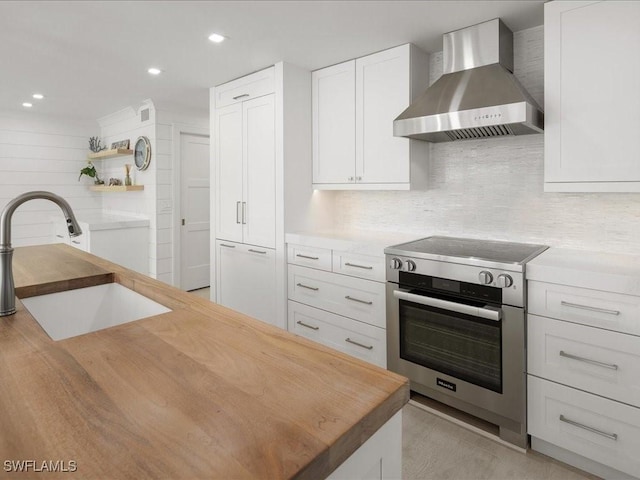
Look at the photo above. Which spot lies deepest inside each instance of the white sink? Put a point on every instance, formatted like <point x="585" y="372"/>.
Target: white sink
<point x="75" y="312"/>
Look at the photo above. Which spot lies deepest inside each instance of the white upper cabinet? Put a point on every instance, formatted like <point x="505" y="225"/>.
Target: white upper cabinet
<point x="592" y="99"/>
<point x="334" y="124"/>
<point x="245" y="171"/>
<point x="382" y="93"/>
<point x="354" y="105"/>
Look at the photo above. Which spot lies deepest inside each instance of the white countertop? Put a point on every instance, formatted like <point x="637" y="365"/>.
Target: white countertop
<point x="596" y="270"/>
<point x="363" y="242"/>
<point x="111" y="222"/>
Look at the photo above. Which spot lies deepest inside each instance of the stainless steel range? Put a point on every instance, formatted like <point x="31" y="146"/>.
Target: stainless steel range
<point x="456" y="325"/>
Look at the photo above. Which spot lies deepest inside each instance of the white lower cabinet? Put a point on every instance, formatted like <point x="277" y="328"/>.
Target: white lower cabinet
<point x="249" y="285"/>
<point x="337" y="298"/>
<point x="596" y="428"/>
<point x="379" y="458"/>
<point x="123" y="242"/>
<point x="583" y="361"/>
<point x="350" y="336"/>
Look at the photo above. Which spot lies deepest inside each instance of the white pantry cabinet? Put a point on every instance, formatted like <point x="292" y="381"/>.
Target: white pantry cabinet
<point x="592" y="99"/>
<point x="245" y="186"/>
<point x="583" y="355"/>
<point x="257" y="169"/>
<point x="354" y="104"/>
<point x="246" y="279"/>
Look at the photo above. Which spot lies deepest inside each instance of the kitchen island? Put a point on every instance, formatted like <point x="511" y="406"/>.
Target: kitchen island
<point x="199" y="392"/>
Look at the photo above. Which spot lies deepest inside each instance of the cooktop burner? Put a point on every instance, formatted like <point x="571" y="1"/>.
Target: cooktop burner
<point x="469" y="249"/>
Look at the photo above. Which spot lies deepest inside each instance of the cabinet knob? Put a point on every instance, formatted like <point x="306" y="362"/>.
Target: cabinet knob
<point x="350" y="179"/>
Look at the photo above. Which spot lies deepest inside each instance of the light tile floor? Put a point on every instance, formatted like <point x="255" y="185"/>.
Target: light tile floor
<point x="435" y="448"/>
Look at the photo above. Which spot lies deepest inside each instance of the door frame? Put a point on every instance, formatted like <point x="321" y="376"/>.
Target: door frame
<point x="178" y="129"/>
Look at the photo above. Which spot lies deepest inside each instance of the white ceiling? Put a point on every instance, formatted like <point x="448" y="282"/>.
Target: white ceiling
<point x="90" y="58"/>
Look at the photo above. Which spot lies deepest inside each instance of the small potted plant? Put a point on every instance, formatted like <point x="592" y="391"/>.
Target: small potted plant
<point x="90" y="171"/>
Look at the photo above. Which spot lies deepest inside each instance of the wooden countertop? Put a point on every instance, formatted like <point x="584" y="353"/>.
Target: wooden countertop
<point x="201" y="392"/>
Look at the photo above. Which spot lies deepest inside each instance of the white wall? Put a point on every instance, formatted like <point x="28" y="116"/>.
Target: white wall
<point x="494" y="188"/>
<point x="43" y="153"/>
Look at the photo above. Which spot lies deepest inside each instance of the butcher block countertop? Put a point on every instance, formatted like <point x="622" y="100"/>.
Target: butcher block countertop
<point x="200" y="392"/>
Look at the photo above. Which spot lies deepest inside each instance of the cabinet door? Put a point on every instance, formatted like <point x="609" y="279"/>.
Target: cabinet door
<point x="333" y="106"/>
<point x="228" y="139"/>
<point x="246" y="280"/>
<point x="592" y="99"/>
<point x="259" y="165"/>
<point x="382" y="93"/>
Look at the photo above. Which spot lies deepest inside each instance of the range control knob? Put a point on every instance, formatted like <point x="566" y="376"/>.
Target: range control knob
<point x="396" y="264"/>
<point x="504" y="280"/>
<point x="485" y="277"/>
<point x="411" y="266"/>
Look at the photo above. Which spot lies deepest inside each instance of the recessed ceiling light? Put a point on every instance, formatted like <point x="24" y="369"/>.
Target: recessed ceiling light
<point x="38" y="96"/>
<point x="27" y="105"/>
<point x="154" y="71"/>
<point x="216" y="38"/>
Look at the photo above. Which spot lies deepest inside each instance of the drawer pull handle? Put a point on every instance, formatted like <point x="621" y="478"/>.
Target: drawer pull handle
<point x="358" y="300"/>
<point x="262" y="252"/>
<point x="358" y="266"/>
<point x="241" y="96"/>
<point x="610" y="366"/>
<point x="612" y="436"/>
<point x="307" y="256"/>
<point x="228" y="246"/>
<point x="59" y="236"/>
<point x="593" y="309"/>
<point x="75" y="241"/>
<point x="368" y="347"/>
<point x="315" y="289"/>
<point x="307" y="325"/>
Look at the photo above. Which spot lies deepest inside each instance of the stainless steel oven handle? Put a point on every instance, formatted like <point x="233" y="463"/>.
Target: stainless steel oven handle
<point x="446" y="305"/>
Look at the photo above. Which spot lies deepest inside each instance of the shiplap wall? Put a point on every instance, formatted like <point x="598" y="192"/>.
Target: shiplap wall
<point x="494" y="188"/>
<point x="43" y="153"/>
<point x="122" y="125"/>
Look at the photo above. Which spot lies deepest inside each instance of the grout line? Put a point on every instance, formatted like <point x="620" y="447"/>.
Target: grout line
<point x="465" y="425"/>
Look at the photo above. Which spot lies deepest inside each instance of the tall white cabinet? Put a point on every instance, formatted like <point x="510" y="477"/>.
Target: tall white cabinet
<point x="354" y="105"/>
<point x="261" y="153"/>
<point x="592" y="99"/>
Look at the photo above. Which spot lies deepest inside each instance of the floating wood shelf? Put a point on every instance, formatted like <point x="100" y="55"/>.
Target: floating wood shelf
<point x="116" y="188"/>
<point x="114" y="152"/>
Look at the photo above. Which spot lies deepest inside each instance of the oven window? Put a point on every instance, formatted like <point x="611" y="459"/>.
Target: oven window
<point x="463" y="346"/>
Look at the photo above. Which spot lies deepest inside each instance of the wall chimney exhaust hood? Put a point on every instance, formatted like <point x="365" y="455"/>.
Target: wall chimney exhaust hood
<point x="477" y="96"/>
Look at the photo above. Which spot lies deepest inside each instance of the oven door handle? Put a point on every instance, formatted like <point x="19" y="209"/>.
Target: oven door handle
<point x="487" y="312"/>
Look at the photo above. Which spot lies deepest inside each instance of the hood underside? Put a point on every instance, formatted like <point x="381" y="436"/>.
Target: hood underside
<point x="481" y="102"/>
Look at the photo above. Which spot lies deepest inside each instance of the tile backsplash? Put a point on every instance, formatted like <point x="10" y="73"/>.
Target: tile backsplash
<point x="494" y="188"/>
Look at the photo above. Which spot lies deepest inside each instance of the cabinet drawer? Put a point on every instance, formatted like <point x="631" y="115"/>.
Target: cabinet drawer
<point x="81" y="242"/>
<point x="602" y="430"/>
<point x="309" y="257"/>
<point x="356" y="298"/>
<point x="356" y="265"/>
<point x="246" y="88"/>
<point x="599" y="361"/>
<point x="613" y="311"/>
<point x="344" y="334"/>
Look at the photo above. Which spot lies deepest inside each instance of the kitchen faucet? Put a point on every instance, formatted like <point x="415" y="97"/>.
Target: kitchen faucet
<point x="7" y="287"/>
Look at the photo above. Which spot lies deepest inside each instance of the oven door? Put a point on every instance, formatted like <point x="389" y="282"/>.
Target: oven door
<point x="463" y="350"/>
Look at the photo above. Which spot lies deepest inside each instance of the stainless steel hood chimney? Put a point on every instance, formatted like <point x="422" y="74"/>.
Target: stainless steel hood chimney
<point x="477" y="96"/>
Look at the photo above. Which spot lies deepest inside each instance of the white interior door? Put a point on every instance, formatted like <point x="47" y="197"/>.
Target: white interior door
<point x="194" y="202"/>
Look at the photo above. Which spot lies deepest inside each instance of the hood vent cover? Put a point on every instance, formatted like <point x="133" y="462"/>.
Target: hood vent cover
<point x="477" y="96"/>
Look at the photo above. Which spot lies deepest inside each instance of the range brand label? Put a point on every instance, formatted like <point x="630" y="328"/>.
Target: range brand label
<point x="448" y="385"/>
